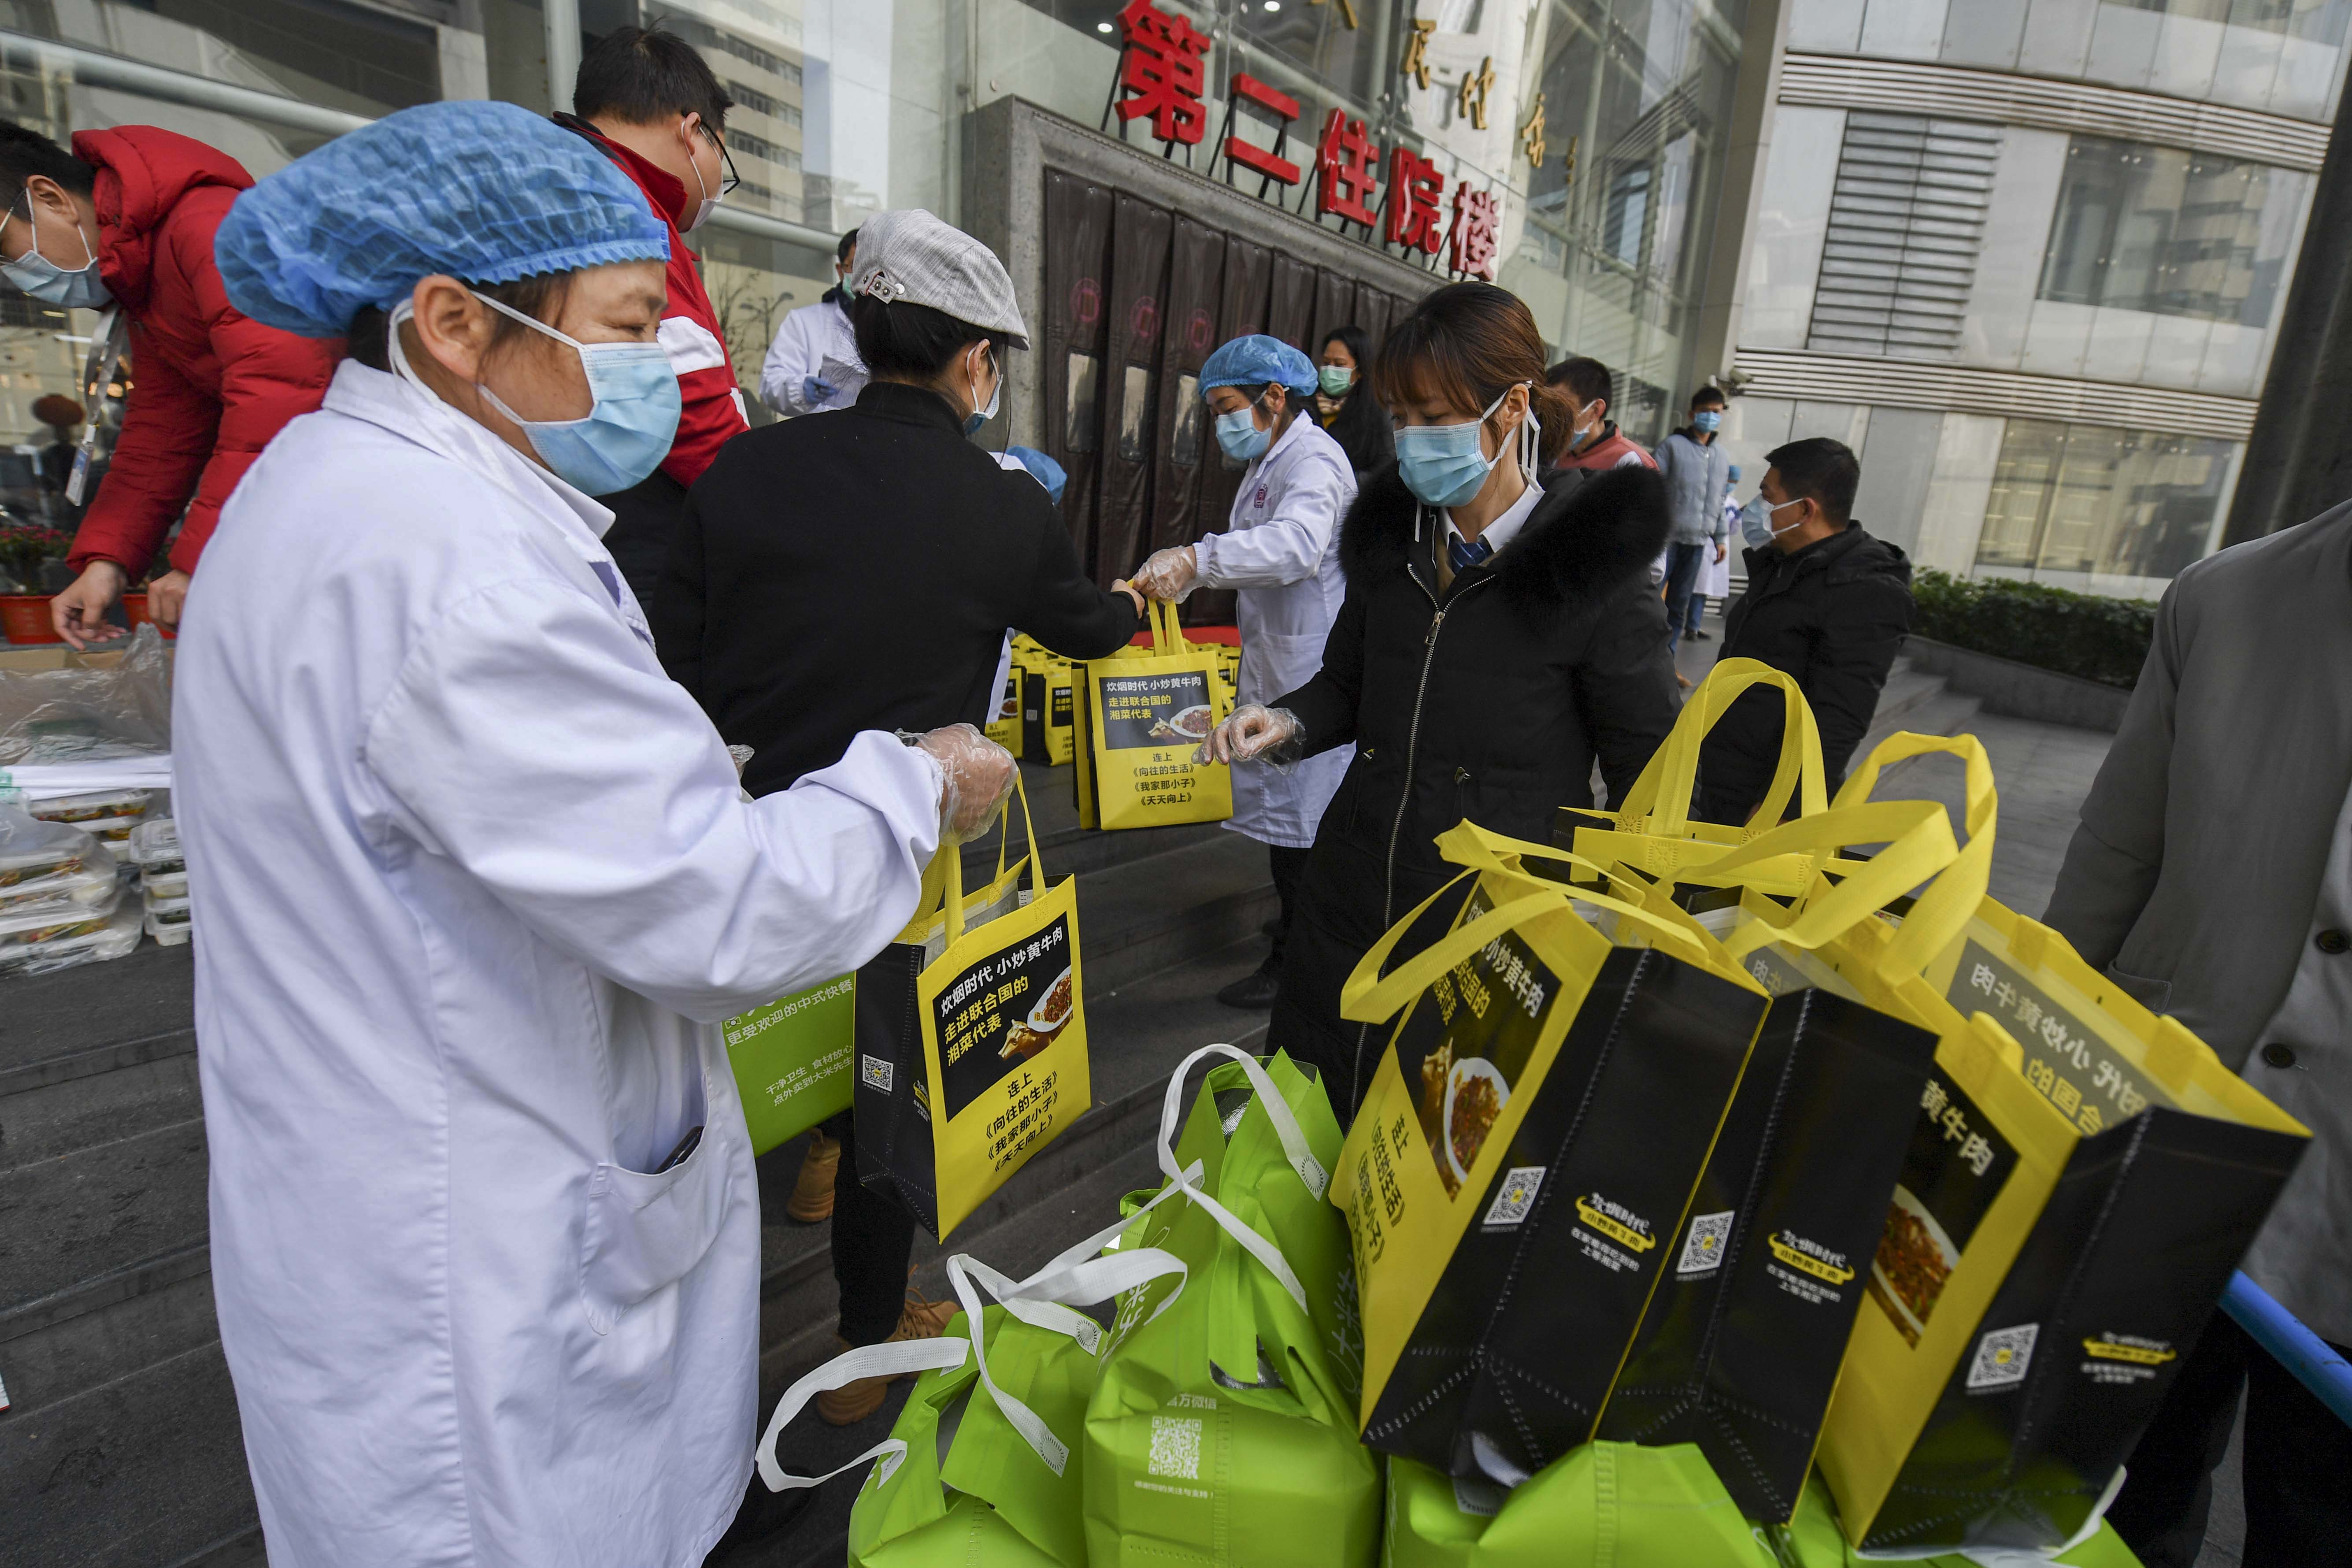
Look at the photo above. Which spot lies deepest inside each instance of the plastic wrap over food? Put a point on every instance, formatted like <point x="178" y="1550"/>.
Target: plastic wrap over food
<point x="82" y="714"/>
<point x="83" y="942"/>
<point x="38" y="858"/>
<point x="155" y="847"/>
<point x="32" y="928"/>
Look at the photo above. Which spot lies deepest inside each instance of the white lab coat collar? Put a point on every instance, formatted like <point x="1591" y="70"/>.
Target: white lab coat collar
<point x="1505" y="527"/>
<point x="1282" y="443"/>
<point x="414" y="414"/>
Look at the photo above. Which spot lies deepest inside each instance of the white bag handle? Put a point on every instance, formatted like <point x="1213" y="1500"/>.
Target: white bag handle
<point x="1096" y="1281"/>
<point x="887" y="1360"/>
<point x="1285" y="1125"/>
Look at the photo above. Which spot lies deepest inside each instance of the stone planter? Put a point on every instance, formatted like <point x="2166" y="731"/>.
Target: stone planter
<point x="2022" y="691"/>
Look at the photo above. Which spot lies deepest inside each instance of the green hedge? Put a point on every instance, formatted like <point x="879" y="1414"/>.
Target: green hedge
<point x="2099" y="639"/>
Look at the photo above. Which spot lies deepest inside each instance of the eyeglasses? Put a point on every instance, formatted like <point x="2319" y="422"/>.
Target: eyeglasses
<point x="729" y="179"/>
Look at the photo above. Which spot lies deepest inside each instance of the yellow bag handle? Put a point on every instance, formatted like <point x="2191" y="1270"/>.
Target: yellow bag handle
<point x="1919" y="845"/>
<point x="1942" y="912"/>
<point x="1167" y="635"/>
<point x="1368" y="997"/>
<point x="1663" y="792"/>
<point x="952" y="855"/>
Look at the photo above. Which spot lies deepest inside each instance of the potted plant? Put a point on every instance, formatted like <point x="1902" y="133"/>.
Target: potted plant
<point x="24" y="549"/>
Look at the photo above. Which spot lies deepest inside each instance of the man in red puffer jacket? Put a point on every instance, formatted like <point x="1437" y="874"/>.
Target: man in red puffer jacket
<point x="127" y="219"/>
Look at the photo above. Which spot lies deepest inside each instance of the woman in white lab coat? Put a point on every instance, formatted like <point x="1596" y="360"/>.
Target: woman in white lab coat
<point x="1281" y="549"/>
<point x="476" y="882"/>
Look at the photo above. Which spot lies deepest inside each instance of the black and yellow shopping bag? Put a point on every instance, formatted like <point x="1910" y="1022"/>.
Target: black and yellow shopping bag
<point x="1530" y="1141"/>
<point x="2081" y="1179"/>
<point x="1141" y="715"/>
<point x="1047" y="708"/>
<point x="970" y="1040"/>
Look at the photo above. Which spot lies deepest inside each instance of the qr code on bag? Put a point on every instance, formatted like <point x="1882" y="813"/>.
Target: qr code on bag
<point x="877" y="1072"/>
<point x="1175" y="1447"/>
<point x="2003" y="1357"/>
<point x="1703" y="1247"/>
<point x="1516" y="1195"/>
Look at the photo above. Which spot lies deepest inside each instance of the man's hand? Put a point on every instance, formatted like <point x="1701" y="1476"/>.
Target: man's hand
<point x="1142" y="611"/>
<point x="165" y="595"/>
<point x="1252" y="731"/>
<point x="78" y="614"/>
<point x="1720" y="548"/>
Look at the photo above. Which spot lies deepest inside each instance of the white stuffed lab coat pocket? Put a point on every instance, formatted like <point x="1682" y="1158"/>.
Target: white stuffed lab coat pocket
<point x="647" y="1231"/>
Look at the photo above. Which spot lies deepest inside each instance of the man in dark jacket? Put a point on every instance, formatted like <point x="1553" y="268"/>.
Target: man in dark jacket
<point x="126" y="220"/>
<point x="1486" y="694"/>
<point x="859" y="572"/>
<point x="1826" y="603"/>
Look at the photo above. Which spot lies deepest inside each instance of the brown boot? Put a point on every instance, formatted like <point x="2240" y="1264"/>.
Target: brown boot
<point x="812" y="1198"/>
<point x="920" y="1319"/>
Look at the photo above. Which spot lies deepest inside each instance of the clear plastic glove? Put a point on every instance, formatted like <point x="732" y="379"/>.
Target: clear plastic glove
<point x="1169" y="573"/>
<point x="976" y="774"/>
<point x="816" y="389"/>
<point x="1254" y="733"/>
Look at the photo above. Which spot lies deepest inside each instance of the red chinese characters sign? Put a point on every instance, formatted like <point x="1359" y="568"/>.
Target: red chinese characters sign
<point x="1161" y="81"/>
<point x="1160" y="72"/>
<point x="1345" y="166"/>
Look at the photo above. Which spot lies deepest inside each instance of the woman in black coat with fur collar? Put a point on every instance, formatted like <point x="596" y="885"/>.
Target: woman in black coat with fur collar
<point x="1488" y="653"/>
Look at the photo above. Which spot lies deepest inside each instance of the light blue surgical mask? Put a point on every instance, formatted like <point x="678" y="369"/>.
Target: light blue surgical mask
<point x="1238" y="433"/>
<point x="1710" y="421"/>
<point x="628" y="429"/>
<point x="1756" y="522"/>
<point x="1446" y="464"/>
<point x="978" y="417"/>
<point x="79" y="287"/>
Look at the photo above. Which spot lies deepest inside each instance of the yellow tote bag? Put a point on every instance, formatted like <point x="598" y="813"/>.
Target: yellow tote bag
<point x="970" y="1039"/>
<point x="2081" y="1181"/>
<point x="1048" y="716"/>
<point x="1142" y="717"/>
<point x="1651" y="831"/>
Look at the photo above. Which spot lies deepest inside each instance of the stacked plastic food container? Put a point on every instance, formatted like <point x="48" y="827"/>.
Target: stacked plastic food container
<point x="163" y="880"/>
<point x="62" y="899"/>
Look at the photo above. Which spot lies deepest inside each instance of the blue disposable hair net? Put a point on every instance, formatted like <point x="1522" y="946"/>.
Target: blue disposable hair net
<point x="485" y="192"/>
<point x="1042" y="469"/>
<point x="1256" y="360"/>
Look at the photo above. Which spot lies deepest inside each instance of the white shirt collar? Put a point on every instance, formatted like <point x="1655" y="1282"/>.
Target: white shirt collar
<point x="1505" y="527"/>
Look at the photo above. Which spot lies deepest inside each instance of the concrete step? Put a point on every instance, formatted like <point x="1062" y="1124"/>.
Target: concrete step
<point x="1946" y="712"/>
<point x="1907" y="687"/>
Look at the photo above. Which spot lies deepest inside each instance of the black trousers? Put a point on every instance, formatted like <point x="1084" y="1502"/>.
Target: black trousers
<point x="2297" y="1462"/>
<point x="1290" y="865"/>
<point x="873" y="1241"/>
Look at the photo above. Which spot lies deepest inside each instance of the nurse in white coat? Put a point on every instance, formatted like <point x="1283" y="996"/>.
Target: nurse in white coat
<point x="793" y="378"/>
<point x="478" y="883"/>
<point x="1281" y="549"/>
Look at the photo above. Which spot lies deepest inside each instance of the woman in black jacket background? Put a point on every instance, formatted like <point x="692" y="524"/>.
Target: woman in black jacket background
<point x="1346" y="406"/>
<point x="1494" y="641"/>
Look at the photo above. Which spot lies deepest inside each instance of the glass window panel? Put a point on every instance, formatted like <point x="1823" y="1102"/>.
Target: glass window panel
<point x="1184" y="449"/>
<point x="2140" y="228"/>
<point x="1079" y="421"/>
<point x="2169" y="493"/>
<point x="2030" y="450"/>
<point x="1134" y="413"/>
<point x="2082" y="497"/>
